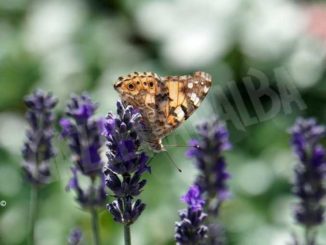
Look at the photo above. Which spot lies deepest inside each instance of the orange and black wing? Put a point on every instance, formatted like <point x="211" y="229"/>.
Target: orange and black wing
<point x="185" y="95"/>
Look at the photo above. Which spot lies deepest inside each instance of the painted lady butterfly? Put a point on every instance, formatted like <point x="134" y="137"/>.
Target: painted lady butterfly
<point x="164" y="102"/>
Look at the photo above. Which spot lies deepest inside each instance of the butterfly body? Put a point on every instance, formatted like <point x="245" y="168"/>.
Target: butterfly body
<point x="164" y="102"/>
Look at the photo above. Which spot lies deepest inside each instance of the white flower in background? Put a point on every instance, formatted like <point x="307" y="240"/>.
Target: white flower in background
<point x="192" y="32"/>
<point x="48" y="32"/>
<point x="270" y="28"/>
<point x="52" y="23"/>
<point x="307" y="62"/>
<point x="62" y="71"/>
<point x="193" y="48"/>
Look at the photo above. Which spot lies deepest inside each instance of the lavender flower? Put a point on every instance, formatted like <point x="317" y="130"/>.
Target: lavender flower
<point x="207" y="152"/>
<point x="38" y="149"/>
<point x="193" y="198"/>
<point x="83" y="131"/>
<point x="190" y="229"/>
<point x="126" y="164"/>
<point x="309" y="184"/>
<point x="75" y="237"/>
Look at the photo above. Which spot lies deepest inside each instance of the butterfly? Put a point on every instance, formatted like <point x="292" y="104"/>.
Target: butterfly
<point x="164" y="102"/>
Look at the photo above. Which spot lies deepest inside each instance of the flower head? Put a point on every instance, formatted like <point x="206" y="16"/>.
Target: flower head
<point x="306" y="134"/>
<point x="123" y="141"/>
<point x="83" y="132"/>
<point x="126" y="163"/>
<point x="126" y="211"/>
<point x="191" y="229"/>
<point x="38" y="149"/>
<point x="193" y="198"/>
<point x="310" y="172"/>
<point x="81" y="108"/>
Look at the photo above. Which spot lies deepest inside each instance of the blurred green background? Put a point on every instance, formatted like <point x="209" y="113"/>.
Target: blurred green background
<point x="70" y="46"/>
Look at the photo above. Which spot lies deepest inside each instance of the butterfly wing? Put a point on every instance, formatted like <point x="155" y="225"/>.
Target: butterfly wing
<point x="185" y="94"/>
<point x="138" y="89"/>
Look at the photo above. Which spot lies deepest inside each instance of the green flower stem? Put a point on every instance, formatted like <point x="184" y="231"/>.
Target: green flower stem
<point x="127" y="234"/>
<point x="33" y="214"/>
<point x="310" y="235"/>
<point x="95" y="226"/>
<point x="94" y="214"/>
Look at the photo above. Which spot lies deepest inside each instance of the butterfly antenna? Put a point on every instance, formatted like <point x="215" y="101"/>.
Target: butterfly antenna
<point x="152" y="157"/>
<point x="183" y="146"/>
<point x="173" y="162"/>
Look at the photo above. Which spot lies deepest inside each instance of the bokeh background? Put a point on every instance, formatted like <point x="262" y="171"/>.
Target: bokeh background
<point x="70" y="46"/>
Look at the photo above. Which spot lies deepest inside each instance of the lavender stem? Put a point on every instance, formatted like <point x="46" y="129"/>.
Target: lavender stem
<point x="309" y="235"/>
<point x="127" y="235"/>
<point x="95" y="218"/>
<point x="32" y="215"/>
<point x="95" y="226"/>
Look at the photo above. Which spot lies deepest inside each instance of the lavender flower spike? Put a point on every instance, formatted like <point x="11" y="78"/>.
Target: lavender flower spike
<point x="126" y="165"/>
<point x="83" y="133"/>
<point x="38" y="149"/>
<point x="207" y="152"/>
<point x="211" y="180"/>
<point x="190" y="229"/>
<point x="310" y="174"/>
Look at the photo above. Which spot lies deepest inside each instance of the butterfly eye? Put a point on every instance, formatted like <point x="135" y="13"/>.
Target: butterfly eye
<point x="131" y="86"/>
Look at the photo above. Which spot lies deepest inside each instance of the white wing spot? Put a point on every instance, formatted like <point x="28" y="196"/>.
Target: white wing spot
<point x="206" y="89"/>
<point x="190" y="85"/>
<point x="196" y="103"/>
<point x="193" y="97"/>
<point x="180" y="113"/>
